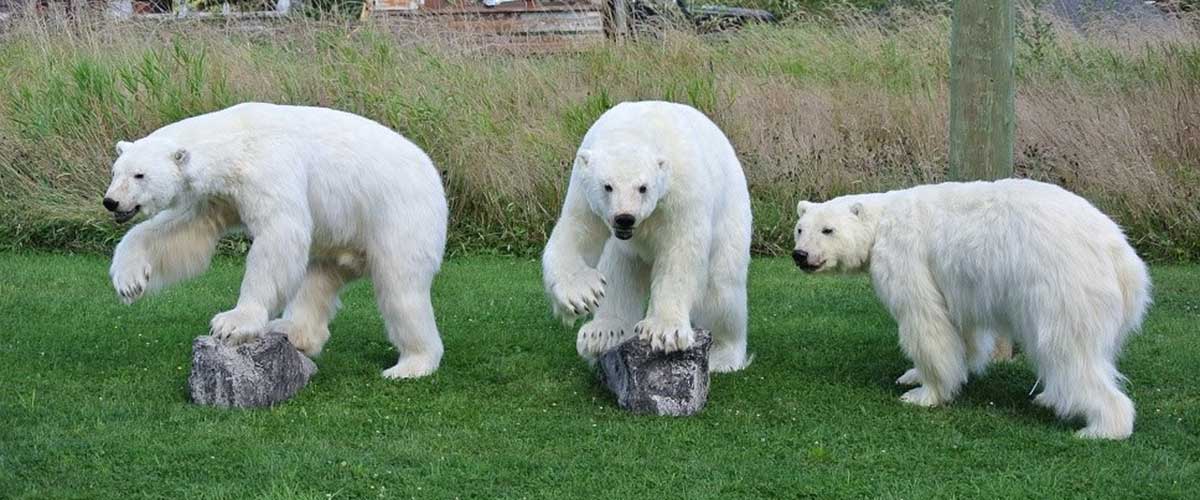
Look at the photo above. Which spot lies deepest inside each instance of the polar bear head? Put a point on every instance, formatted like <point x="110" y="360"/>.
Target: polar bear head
<point x="837" y="234"/>
<point x="147" y="177"/>
<point x="622" y="187"/>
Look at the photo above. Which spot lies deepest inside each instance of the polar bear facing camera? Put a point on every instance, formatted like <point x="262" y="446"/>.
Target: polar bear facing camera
<point x="654" y="235"/>
<point x="326" y="196"/>
<point x="959" y="263"/>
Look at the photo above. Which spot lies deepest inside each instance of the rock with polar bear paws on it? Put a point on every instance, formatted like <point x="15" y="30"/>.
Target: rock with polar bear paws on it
<point x="260" y="373"/>
<point x="649" y="381"/>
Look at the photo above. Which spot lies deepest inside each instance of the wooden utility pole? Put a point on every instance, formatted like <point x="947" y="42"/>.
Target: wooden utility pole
<point x="982" y="47"/>
<point x="982" y="95"/>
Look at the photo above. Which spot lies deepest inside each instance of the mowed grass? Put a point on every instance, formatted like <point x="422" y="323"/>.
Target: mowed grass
<point x="93" y="403"/>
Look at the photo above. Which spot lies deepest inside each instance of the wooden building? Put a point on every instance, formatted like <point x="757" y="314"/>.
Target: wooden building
<point x="515" y="25"/>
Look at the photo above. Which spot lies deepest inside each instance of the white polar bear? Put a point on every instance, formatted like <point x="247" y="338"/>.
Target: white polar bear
<point x="664" y="181"/>
<point x="957" y="263"/>
<point x="326" y="196"/>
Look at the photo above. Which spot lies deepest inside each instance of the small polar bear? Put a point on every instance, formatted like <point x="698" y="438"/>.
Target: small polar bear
<point x="958" y="264"/>
<point x="326" y="196"/>
<point x="657" y="209"/>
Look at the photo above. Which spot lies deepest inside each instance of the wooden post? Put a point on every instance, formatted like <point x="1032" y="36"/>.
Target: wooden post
<point x="982" y="44"/>
<point x="982" y="95"/>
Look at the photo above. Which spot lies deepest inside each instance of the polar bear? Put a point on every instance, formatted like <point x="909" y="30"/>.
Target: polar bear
<point x="959" y="263"/>
<point x="326" y="196"/>
<point x="657" y="208"/>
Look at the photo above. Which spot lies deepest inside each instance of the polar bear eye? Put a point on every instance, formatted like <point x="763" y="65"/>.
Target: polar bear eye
<point x="608" y="187"/>
<point x="139" y="176"/>
<point x="642" y="189"/>
<point x="828" y="230"/>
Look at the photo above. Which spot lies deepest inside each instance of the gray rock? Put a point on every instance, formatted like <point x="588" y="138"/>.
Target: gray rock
<point x="649" y="382"/>
<point x="259" y="373"/>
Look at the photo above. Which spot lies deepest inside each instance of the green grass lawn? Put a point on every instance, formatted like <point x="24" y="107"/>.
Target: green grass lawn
<point x="93" y="403"/>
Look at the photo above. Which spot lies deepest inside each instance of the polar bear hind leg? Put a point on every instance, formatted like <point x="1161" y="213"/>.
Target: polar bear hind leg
<point x="306" y="319"/>
<point x="723" y="309"/>
<point x="724" y="314"/>
<point x="402" y="273"/>
<point x="981" y="344"/>
<point x="1081" y="379"/>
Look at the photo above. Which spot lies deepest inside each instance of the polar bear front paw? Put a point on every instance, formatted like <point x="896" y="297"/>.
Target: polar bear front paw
<point x="910" y="378"/>
<point x="130" y="279"/>
<point x="598" y="336"/>
<point x="238" y="325"/>
<point x="665" y="335"/>
<point x="1100" y="431"/>
<point x="1043" y="400"/>
<point x="578" y="295"/>
<point x="412" y="366"/>
<point x="922" y="396"/>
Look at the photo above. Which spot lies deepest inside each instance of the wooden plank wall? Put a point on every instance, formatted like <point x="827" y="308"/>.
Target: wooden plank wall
<point x="534" y="31"/>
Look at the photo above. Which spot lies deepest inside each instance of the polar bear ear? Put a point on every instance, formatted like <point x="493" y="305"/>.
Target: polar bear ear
<point x="181" y="157"/>
<point x="584" y="157"/>
<point x="122" y="146"/>
<point x="802" y="207"/>
<point x="857" y="209"/>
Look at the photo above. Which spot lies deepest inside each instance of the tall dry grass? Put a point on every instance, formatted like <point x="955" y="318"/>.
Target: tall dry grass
<point x="815" y="108"/>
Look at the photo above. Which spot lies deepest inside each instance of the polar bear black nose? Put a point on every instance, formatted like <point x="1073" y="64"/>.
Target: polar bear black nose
<point x="624" y="220"/>
<point x="110" y="204"/>
<point x="801" y="257"/>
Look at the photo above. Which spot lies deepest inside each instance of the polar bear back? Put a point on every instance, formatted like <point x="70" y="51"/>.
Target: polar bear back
<point x="993" y="248"/>
<point x="326" y="140"/>
<point x="1010" y="220"/>
<point x="356" y="176"/>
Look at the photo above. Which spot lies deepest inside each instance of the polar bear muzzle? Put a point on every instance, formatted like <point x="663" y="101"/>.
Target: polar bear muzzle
<point x="800" y="257"/>
<point x="623" y="225"/>
<point x="121" y="216"/>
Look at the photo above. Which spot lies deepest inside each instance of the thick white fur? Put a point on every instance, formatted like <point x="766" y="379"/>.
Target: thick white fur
<point x="327" y="197"/>
<point x="960" y="263"/>
<point x="691" y="247"/>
